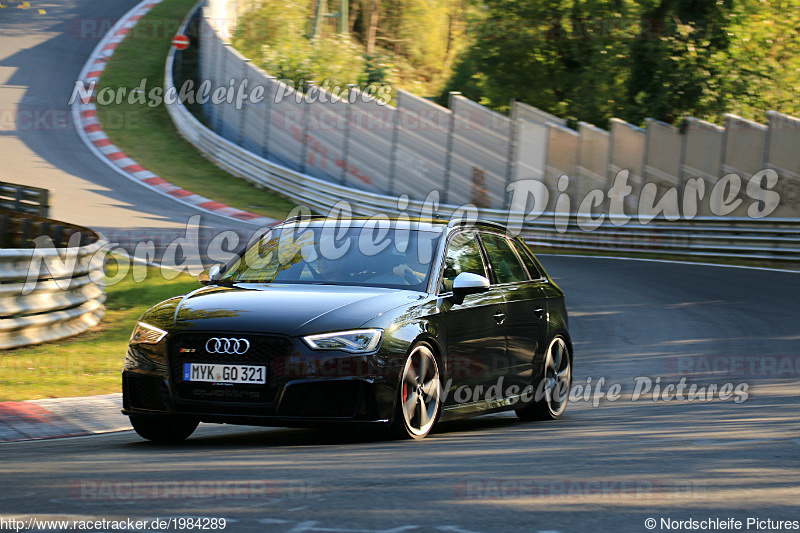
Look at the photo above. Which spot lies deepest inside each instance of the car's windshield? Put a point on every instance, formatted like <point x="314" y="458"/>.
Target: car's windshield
<point x="370" y="255"/>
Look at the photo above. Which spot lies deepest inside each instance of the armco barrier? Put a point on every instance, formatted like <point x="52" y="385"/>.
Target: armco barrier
<point x="48" y="293"/>
<point x="24" y="198"/>
<point x="703" y="236"/>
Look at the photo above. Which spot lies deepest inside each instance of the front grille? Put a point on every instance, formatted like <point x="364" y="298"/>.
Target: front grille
<point x="145" y="392"/>
<point x="265" y="350"/>
<point x="321" y="399"/>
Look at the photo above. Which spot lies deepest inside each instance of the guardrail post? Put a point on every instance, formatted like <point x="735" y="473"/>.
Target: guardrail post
<point x="58" y="235"/>
<point x="177" y="65"/>
<point x="511" y="163"/>
<point x="26" y="229"/>
<point x="723" y="154"/>
<point x="44" y="203"/>
<point x="687" y="123"/>
<point x="647" y="134"/>
<point x="304" y="146"/>
<point x="18" y="206"/>
<point x="216" y="119"/>
<point x="5" y="241"/>
<point x="576" y="169"/>
<point x="348" y="113"/>
<point x="393" y="147"/>
<point x="243" y="111"/>
<point x="449" y="151"/>
<point x="609" y="177"/>
<point x="266" y="127"/>
<point x="765" y="159"/>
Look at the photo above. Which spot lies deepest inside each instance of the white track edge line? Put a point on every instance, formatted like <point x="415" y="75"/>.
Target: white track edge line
<point x="545" y="254"/>
<point x="76" y="117"/>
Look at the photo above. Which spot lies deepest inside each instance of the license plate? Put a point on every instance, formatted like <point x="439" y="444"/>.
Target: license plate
<point x="224" y="373"/>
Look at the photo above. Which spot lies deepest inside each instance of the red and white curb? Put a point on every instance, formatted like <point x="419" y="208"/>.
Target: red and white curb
<point x="61" y="417"/>
<point x="84" y="111"/>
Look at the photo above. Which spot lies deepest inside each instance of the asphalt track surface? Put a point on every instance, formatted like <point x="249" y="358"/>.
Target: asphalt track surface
<point x="603" y="468"/>
<point x="41" y="55"/>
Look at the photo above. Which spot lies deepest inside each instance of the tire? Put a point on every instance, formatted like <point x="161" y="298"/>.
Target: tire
<point x="552" y="394"/>
<point x="165" y="428"/>
<point x="418" y="395"/>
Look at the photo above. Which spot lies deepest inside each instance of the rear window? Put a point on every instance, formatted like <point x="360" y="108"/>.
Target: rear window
<point x="530" y="264"/>
<point x="505" y="263"/>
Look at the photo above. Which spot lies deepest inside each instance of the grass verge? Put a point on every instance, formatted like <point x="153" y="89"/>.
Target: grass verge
<point x="148" y="135"/>
<point x="91" y="362"/>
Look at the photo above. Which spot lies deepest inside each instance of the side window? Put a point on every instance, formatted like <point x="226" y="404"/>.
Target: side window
<point x="463" y="255"/>
<point x="505" y="264"/>
<point x="533" y="270"/>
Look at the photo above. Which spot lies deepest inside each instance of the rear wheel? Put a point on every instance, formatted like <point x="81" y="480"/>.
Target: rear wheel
<point x="418" y="395"/>
<point x="167" y="428"/>
<point x="552" y="394"/>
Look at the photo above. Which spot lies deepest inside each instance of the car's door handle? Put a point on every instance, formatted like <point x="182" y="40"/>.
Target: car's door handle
<point x="539" y="312"/>
<point x="499" y="317"/>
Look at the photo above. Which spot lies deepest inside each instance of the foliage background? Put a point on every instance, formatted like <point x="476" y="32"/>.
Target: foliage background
<point x="591" y="60"/>
<point x="408" y="44"/>
<point x="587" y="60"/>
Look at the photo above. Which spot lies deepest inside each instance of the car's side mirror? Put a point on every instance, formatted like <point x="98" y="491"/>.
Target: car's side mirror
<point x="468" y="283"/>
<point x="210" y="274"/>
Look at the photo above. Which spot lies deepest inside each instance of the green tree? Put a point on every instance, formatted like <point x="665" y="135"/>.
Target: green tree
<point x="275" y="35"/>
<point x="567" y="57"/>
<point x="579" y="59"/>
<point x="410" y="44"/>
<point x="762" y="68"/>
<point x="675" y="67"/>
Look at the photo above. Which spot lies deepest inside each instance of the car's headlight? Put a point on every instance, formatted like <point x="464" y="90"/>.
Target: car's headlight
<point x="353" y="341"/>
<point x="144" y="333"/>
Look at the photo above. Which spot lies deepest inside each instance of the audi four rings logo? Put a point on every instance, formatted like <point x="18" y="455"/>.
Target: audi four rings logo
<point x="225" y="345"/>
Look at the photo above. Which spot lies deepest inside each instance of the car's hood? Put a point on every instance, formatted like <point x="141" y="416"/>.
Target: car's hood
<point x="286" y="309"/>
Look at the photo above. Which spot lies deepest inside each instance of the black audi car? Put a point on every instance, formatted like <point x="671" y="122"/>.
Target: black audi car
<point x="393" y="324"/>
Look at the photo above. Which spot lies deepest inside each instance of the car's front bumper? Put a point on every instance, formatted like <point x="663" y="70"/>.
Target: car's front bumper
<point x="304" y="387"/>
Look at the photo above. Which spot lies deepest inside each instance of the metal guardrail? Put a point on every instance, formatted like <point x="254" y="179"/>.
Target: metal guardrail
<point x="44" y="296"/>
<point x="713" y="237"/>
<point x="24" y="199"/>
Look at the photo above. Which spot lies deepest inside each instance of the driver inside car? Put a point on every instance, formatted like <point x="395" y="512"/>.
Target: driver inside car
<point x="408" y="274"/>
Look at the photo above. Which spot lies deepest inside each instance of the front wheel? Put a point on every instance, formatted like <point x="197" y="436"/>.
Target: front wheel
<point x="552" y="394"/>
<point x="418" y="395"/>
<point x="165" y="428"/>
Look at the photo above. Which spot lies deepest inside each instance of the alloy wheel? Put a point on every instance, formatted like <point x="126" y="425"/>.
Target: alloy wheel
<point x="419" y="392"/>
